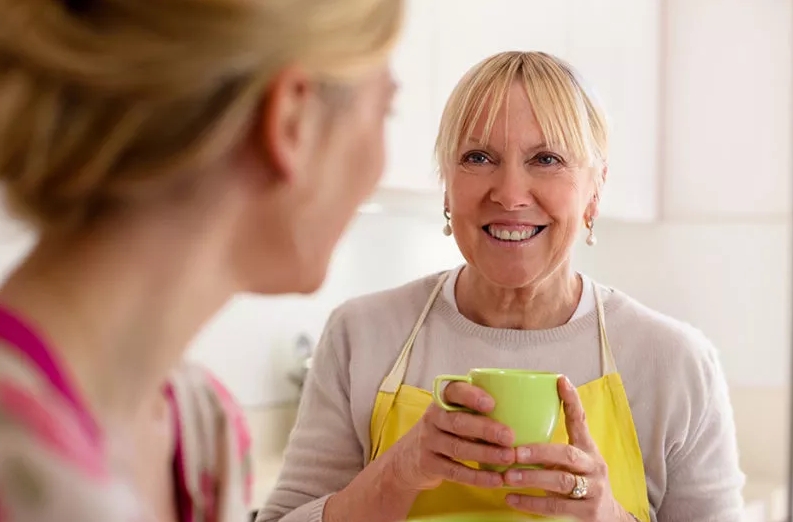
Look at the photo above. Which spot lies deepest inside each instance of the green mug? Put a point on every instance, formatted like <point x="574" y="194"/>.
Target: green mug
<point x="526" y="401"/>
<point x="488" y="517"/>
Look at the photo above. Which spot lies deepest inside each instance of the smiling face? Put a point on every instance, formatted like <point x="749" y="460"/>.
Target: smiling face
<point x="517" y="199"/>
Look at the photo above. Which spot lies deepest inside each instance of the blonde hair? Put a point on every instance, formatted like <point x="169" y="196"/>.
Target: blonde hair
<point x="107" y="102"/>
<point x="568" y="114"/>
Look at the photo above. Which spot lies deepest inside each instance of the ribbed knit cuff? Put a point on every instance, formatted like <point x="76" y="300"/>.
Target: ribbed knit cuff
<point x="317" y="509"/>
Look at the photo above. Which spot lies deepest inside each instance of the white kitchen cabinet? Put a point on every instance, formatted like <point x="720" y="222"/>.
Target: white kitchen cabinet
<point x="616" y="46"/>
<point x="470" y="30"/>
<point x="410" y="132"/>
<point x="729" y="114"/>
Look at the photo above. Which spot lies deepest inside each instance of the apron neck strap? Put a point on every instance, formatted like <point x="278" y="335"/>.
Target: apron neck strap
<point x="607" y="364"/>
<point x="397" y="375"/>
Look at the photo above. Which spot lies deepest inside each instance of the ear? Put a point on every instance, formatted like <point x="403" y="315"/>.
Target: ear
<point x="593" y="207"/>
<point x="602" y="176"/>
<point x="286" y="115"/>
<point x="445" y="200"/>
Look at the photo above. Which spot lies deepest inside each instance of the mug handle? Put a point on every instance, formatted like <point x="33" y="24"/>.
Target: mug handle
<point x="437" y="392"/>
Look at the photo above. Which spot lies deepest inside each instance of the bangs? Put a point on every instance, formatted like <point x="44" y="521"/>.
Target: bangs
<point x="569" y="118"/>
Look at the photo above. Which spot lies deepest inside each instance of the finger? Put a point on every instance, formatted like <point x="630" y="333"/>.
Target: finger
<point x="554" y="481"/>
<point x="461" y="449"/>
<point x="575" y="416"/>
<point x="460" y="473"/>
<point x="469" y="396"/>
<point x="551" y="506"/>
<point x="564" y="456"/>
<point x="472" y="426"/>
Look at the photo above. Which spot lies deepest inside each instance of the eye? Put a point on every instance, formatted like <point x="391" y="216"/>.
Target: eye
<point x="547" y="159"/>
<point x="476" y="158"/>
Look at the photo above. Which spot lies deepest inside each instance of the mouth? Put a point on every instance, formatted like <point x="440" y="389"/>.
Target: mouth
<point x="513" y="234"/>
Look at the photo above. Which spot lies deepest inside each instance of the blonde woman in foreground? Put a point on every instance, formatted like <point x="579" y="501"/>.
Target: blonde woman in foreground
<point x="648" y="432"/>
<point x="169" y="154"/>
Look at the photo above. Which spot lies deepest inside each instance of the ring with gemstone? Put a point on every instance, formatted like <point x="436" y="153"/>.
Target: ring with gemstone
<point x="580" y="488"/>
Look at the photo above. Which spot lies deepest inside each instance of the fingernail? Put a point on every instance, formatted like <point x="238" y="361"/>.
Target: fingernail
<point x="523" y="455"/>
<point x="506" y="456"/>
<point x="504" y="437"/>
<point x="568" y="383"/>
<point x="512" y="500"/>
<point x="486" y="403"/>
<point x="514" y="475"/>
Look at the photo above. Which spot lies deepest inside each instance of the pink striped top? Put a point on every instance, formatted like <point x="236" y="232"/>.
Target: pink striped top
<point x="54" y="464"/>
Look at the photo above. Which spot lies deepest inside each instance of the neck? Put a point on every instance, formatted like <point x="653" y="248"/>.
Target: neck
<point x="540" y="305"/>
<point x="120" y="306"/>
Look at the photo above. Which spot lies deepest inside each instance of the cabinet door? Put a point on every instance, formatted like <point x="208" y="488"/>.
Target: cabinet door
<point x="728" y="109"/>
<point x="469" y="31"/>
<point x="615" y="45"/>
<point x="409" y="133"/>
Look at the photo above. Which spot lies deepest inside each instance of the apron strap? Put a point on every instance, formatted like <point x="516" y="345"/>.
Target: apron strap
<point x="394" y="379"/>
<point x="607" y="363"/>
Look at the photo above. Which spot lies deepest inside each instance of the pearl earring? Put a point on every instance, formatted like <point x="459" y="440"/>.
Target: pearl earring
<point x="591" y="239"/>
<point x="447" y="228"/>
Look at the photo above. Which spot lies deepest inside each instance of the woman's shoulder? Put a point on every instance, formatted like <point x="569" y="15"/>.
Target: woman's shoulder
<point x="201" y="396"/>
<point x="640" y="331"/>
<point x="51" y="465"/>
<point x="210" y="420"/>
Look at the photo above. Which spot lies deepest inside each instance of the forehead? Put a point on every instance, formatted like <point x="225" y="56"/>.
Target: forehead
<point x="513" y="123"/>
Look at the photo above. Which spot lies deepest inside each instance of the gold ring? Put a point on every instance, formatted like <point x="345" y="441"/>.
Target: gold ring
<point x="580" y="488"/>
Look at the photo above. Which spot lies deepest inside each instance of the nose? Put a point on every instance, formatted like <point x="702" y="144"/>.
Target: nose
<point x="511" y="187"/>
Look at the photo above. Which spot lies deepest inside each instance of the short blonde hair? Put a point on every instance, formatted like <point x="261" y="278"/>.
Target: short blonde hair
<point x="568" y="114"/>
<point x="106" y="102"/>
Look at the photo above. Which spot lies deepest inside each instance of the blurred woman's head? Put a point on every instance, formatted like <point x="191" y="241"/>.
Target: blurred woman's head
<point x="260" y="119"/>
<point x="522" y="149"/>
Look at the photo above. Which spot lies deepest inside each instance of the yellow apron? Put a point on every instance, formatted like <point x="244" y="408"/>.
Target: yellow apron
<point x="399" y="406"/>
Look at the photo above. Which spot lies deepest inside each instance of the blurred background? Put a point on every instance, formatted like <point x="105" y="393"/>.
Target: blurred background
<point x="696" y="212"/>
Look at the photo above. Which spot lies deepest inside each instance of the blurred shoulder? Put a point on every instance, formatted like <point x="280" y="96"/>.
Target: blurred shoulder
<point x="53" y="466"/>
<point x="209" y="414"/>
<point x="196" y="386"/>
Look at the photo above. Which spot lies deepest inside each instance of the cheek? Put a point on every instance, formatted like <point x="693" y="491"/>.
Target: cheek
<point x="465" y="192"/>
<point x="562" y="199"/>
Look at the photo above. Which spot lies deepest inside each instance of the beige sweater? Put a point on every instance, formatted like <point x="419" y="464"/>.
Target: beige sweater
<point x="675" y="386"/>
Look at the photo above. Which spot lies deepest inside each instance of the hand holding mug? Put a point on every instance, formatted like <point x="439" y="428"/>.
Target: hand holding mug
<point x="575" y="474"/>
<point x="433" y="449"/>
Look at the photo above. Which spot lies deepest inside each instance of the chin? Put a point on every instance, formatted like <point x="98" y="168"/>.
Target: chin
<point x="311" y="281"/>
<point x="299" y="277"/>
<point x="514" y="274"/>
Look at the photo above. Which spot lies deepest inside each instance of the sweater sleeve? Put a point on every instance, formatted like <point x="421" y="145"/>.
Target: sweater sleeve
<point x="324" y="453"/>
<point x="704" y="481"/>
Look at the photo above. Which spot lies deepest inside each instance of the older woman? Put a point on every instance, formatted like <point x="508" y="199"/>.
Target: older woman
<point x="522" y="149"/>
<point x="169" y="154"/>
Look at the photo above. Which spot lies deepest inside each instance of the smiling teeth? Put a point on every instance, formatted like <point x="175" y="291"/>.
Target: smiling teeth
<point x="515" y="235"/>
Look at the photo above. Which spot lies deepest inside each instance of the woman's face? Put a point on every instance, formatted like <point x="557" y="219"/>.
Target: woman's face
<point x="516" y="204"/>
<point x="327" y="151"/>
